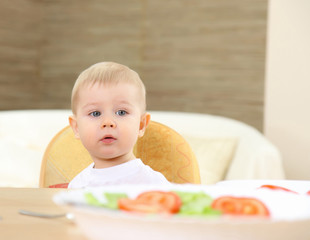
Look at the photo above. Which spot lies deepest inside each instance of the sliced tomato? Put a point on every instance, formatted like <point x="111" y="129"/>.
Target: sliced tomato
<point x="152" y="202"/>
<point x="274" y="187"/>
<point x="240" y="206"/>
<point x="308" y="192"/>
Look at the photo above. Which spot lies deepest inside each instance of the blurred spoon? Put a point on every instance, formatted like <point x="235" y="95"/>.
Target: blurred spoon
<point x="45" y="215"/>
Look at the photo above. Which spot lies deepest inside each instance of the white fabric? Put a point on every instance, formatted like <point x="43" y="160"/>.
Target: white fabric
<point x="132" y="172"/>
<point x="24" y="135"/>
<point x="214" y="156"/>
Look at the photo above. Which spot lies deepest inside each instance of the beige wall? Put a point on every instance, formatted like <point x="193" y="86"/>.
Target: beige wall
<point x="287" y="111"/>
<point x="197" y="56"/>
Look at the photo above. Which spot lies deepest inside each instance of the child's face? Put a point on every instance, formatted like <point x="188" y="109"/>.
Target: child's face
<point x="108" y="121"/>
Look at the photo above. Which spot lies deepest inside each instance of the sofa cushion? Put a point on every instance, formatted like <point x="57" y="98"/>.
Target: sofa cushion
<point x="214" y="156"/>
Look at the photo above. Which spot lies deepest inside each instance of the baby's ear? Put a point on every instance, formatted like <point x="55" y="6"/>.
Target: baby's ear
<point x="74" y="126"/>
<point x="144" y="122"/>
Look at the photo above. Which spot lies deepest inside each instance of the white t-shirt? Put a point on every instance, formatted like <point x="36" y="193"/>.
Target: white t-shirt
<point x="131" y="172"/>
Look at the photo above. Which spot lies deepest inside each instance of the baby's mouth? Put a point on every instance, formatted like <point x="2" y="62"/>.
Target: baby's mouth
<point x="108" y="139"/>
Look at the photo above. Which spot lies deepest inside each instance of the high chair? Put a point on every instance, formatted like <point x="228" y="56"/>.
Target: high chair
<point x="162" y="148"/>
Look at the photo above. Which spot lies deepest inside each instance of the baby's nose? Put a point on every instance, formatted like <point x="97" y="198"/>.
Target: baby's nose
<point x="108" y="123"/>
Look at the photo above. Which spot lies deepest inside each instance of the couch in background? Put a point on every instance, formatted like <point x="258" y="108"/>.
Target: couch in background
<point x="226" y="149"/>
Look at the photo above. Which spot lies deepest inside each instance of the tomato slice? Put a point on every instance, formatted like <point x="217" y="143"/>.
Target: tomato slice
<point x="308" y="192"/>
<point x="274" y="187"/>
<point x="152" y="202"/>
<point x="240" y="206"/>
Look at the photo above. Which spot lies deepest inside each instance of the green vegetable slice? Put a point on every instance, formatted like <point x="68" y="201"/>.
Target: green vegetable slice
<point x="111" y="200"/>
<point x="196" y="203"/>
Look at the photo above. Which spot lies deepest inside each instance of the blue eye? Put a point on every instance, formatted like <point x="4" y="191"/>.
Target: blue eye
<point x="121" y="113"/>
<point x="95" y="114"/>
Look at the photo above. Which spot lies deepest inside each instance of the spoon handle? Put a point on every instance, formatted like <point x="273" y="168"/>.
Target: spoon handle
<point x="42" y="215"/>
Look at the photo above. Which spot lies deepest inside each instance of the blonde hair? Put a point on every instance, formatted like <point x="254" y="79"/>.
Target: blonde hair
<point x="107" y="73"/>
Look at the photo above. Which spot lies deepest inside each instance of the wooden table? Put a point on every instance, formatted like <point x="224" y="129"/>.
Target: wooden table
<point x="15" y="226"/>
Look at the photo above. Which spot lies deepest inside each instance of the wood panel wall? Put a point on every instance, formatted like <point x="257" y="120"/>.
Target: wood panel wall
<point x="193" y="55"/>
<point x="20" y="37"/>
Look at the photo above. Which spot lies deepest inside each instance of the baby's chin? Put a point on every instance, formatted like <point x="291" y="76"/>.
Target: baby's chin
<point x="112" y="160"/>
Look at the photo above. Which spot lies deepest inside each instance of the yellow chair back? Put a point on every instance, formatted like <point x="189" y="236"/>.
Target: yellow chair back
<point x="162" y="148"/>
